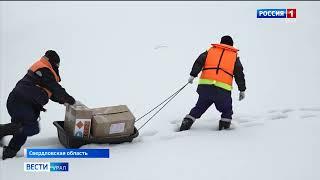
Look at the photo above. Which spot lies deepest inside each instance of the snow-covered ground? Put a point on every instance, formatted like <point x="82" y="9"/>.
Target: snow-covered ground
<point x="138" y="53"/>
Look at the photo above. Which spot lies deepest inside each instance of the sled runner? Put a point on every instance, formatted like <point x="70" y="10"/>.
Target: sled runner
<point x="70" y="141"/>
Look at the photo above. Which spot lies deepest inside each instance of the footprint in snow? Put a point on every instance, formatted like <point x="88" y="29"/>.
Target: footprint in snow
<point x="251" y="124"/>
<point x="242" y="120"/>
<point x="280" y="111"/>
<point x="308" y="116"/>
<point x="175" y="125"/>
<point x="310" y="109"/>
<point x="272" y="111"/>
<point x="176" y="128"/>
<point x="287" y="110"/>
<point x="278" y="116"/>
<point x="160" y="47"/>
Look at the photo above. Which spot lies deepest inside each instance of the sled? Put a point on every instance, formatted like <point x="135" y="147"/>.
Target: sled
<point x="70" y="141"/>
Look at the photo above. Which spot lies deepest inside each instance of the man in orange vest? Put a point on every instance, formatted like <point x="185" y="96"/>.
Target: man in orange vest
<point x="27" y="99"/>
<point x="218" y="65"/>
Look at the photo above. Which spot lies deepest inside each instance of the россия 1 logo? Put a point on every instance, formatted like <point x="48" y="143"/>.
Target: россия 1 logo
<point x="276" y="13"/>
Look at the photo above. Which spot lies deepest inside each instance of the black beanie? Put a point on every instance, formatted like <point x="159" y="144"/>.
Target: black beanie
<point x="227" y="40"/>
<point x="53" y="57"/>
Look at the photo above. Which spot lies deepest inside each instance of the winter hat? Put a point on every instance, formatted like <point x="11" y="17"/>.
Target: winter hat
<point x="53" y="57"/>
<point x="227" y="40"/>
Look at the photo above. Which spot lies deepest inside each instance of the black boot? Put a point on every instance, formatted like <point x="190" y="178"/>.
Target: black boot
<point x="224" y="125"/>
<point x="9" y="152"/>
<point x="1" y="142"/>
<point x="1" y="137"/>
<point x="186" y="124"/>
<point x="9" y="129"/>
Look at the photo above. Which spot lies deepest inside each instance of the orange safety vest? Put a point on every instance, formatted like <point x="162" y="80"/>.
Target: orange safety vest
<point x="44" y="63"/>
<point x="219" y="65"/>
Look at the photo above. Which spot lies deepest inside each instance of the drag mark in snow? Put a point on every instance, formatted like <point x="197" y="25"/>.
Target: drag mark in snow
<point x="308" y="116"/>
<point x="278" y="116"/>
<point x="242" y="120"/>
<point x="272" y="111"/>
<point x="310" y="109"/>
<point x="251" y="124"/>
<point x="252" y="120"/>
<point x="160" y="47"/>
<point x="247" y="121"/>
<point x="281" y="111"/>
<point x="287" y="110"/>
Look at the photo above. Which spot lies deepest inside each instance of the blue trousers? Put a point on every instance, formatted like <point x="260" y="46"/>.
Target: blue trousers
<point x="210" y="94"/>
<point x="25" y="113"/>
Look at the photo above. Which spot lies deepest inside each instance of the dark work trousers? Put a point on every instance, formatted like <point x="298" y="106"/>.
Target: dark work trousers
<point x="23" y="112"/>
<point x="210" y="94"/>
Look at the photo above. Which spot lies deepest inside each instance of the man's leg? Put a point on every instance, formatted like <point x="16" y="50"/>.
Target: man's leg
<point x="19" y="139"/>
<point x="203" y="103"/>
<point x="1" y="142"/>
<point x="9" y="129"/>
<point x="14" y="126"/>
<point x="223" y="103"/>
<point x="26" y="115"/>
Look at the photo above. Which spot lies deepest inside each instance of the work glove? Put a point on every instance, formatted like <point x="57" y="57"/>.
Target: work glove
<point x="242" y="95"/>
<point x="70" y="100"/>
<point x="190" y="80"/>
<point x="67" y="100"/>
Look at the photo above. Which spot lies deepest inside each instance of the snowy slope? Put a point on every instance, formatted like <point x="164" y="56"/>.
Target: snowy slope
<point x="138" y="53"/>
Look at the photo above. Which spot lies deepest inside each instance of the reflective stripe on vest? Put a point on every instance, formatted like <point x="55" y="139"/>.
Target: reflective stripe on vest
<point x="216" y="83"/>
<point x="219" y="65"/>
<point x="44" y="63"/>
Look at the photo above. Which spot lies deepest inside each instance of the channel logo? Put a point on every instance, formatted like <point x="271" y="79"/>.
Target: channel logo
<point x="276" y="13"/>
<point x="59" y="167"/>
<point x="46" y="166"/>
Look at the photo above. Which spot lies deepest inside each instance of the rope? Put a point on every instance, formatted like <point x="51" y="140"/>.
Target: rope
<point x="166" y="101"/>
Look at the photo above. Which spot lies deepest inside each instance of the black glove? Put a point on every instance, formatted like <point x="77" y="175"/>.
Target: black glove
<point x="70" y="100"/>
<point x="66" y="99"/>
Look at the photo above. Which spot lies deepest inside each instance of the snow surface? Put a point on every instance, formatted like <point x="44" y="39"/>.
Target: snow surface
<point x="138" y="53"/>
